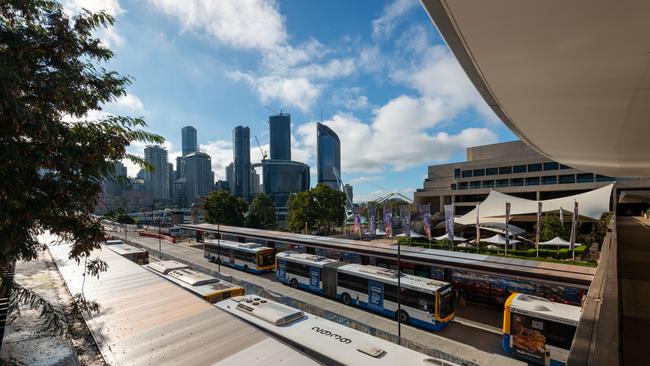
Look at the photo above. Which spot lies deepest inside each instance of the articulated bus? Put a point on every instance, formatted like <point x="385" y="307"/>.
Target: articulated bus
<point x="249" y="257"/>
<point x="209" y="288"/>
<point x="539" y="330"/>
<point x="424" y="302"/>
<point x="328" y="342"/>
<point x="134" y="254"/>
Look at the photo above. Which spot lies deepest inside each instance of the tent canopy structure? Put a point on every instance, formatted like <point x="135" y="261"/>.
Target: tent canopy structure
<point x="413" y="235"/>
<point x="500" y="227"/>
<point x="498" y="239"/>
<point x="591" y="205"/>
<point x="463" y="245"/>
<point x="492" y="246"/>
<point x="445" y="237"/>
<point x="557" y="241"/>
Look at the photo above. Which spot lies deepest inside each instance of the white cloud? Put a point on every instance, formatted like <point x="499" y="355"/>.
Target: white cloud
<point x="243" y="24"/>
<point x="129" y="102"/>
<point x="298" y="92"/>
<point x="220" y="152"/>
<point x="384" y="25"/>
<point x="350" y="98"/>
<point x="364" y="179"/>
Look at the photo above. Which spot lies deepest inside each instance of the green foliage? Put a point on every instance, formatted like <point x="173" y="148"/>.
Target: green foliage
<point x="261" y="212"/>
<point x="599" y="228"/>
<point x="552" y="227"/>
<point x="221" y="207"/>
<point x="321" y="207"/>
<point x="125" y="219"/>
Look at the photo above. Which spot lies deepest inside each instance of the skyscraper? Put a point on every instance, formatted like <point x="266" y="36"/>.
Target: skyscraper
<point x="180" y="171"/>
<point x="328" y="151"/>
<point x="198" y="175"/>
<point x="188" y="135"/>
<point x="230" y="177"/>
<point x="280" y="126"/>
<point x="242" y="162"/>
<point x="117" y="183"/>
<point x="255" y="183"/>
<point x="157" y="181"/>
<point x="170" y="175"/>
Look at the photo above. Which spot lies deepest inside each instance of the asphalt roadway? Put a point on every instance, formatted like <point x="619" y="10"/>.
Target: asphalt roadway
<point x="473" y="336"/>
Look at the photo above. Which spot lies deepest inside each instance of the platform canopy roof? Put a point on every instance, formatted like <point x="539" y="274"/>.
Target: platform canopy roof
<point x="570" y="78"/>
<point x="591" y="205"/>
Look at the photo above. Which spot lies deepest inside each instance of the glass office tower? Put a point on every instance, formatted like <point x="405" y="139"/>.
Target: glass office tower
<point x="241" y="162"/>
<point x="328" y="153"/>
<point x="282" y="178"/>
<point x="188" y="137"/>
<point x="280" y="126"/>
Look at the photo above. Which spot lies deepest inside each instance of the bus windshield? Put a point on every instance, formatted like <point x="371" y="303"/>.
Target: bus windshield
<point x="446" y="306"/>
<point x="265" y="259"/>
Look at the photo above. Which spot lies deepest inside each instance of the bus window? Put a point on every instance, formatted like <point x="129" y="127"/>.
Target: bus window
<point x="446" y="304"/>
<point x="265" y="259"/>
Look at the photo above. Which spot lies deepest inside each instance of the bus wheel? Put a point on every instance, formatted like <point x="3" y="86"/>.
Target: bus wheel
<point x="403" y="316"/>
<point x="345" y="298"/>
<point x="294" y="283"/>
<point x="245" y="268"/>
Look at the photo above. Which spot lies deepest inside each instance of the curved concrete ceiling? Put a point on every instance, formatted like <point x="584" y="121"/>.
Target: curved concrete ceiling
<point x="570" y="78"/>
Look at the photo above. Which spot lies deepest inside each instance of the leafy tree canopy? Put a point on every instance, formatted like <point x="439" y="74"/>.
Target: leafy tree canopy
<point x="53" y="158"/>
<point x="261" y="212"/>
<point x="552" y="227"/>
<point x="221" y="207"/>
<point x="321" y="207"/>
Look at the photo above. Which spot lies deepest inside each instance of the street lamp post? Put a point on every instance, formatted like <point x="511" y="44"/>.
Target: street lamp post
<point x="218" y="248"/>
<point x="159" y="240"/>
<point x="399" y="291"/>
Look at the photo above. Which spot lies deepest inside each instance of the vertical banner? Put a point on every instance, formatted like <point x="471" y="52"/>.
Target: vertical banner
<point x="388" y="221"/>
<point x="357" y="221"/>
<point x="372" y="220"/>
<point x="506" y="231"/>
<point x="478" y="226"/>
<point x="574" y="222"/>
<point x="405" y="215"/>
<point x="449" y="223"/>
<point x="561" y="217"/>
<point x="425" y="212"/>
<point x="538" y="227"/>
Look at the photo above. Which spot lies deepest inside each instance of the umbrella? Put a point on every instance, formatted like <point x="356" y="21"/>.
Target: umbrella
<point x="557" y="241"/>
<point x="499" y="240"/>
<point x="445" y="237"/>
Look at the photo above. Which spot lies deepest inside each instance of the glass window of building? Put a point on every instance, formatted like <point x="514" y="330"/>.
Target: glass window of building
<point x="567" y="179"/>
<point x="585" y="178"/>
<point x="604" y="178"/>
<point x="550" y="179"/>
<point x="532" y="181"/>
<point x="457" y="173"/>
<point x="519" y="169"/>
<point x="535" y="167"/>
<point x="562" y="166"/>
<point x="488" y="184"/>
<point x="462" y="185"/>
<point x="505" y="170"/>
<point x="467" y="173"/>
<point x="475" y="185"/>
<point x="453" y="186"/>
<point x="491" y="171"/>
<point x="551" y="166"/>
<point x="516" y="182"/>
<point x="502" y="182"/>
<point x="479" y="172"/>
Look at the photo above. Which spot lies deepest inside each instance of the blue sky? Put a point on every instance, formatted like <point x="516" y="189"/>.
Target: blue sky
<point x="380" y="72"/>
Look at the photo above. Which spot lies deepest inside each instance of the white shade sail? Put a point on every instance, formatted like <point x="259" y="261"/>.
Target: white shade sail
<point x="492" y="246"/>
<point x="591" y="204"/>
<point x="498" y="239"/>
<point x="557" y="241"/>
<point x="464" y="245"/>
<point x="445" y="237"/>
<point x="413" y="235"/>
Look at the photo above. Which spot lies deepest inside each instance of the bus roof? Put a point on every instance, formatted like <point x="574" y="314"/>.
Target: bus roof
<point x="244" y="247"/>
<point x="165" y="267"/>
<point x="123" y="249"/>
<point x="321" y="338"/>
<point x="114" y="241"/>
<point x="390" y="276"/>
<point x="542" y="308"/>
<point x="305" y="258"/>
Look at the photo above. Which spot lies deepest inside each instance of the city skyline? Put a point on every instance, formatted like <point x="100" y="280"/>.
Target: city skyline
<point x="383" y="78"/>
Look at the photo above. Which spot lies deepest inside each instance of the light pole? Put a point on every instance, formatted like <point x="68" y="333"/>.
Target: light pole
<point x="159" y="240"/>
<point x="399" y="292"/>
<point x="218" y="248"/>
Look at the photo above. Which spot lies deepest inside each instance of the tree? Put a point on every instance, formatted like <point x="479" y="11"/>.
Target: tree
<point x="321" y="206"/>
<point x="221" y="207"/>
<point x="552" y="227"/>
<point x="261" y="212"/>
<point x="53" y="158"/>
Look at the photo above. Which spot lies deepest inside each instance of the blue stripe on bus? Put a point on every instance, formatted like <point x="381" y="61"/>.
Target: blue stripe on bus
<point x="414" y="321"/>
<point x="506" y="343"/>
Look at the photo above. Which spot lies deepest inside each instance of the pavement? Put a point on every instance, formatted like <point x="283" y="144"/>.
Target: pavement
<point x="634" y="281"/>
<point x="465" y="338"/>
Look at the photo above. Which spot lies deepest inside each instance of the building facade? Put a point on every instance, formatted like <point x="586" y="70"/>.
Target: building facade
<point x="157" y="180"/>
<point x="241" y="162"/>
<point x="255" y="183"/>
<point x="188" y="137"/>
<point x="283" y="178"/>
<point x="328" y="156"/>
<point x="198" y="175"/>
<point x="280" y="128"/>
<point x="516" y="169"/>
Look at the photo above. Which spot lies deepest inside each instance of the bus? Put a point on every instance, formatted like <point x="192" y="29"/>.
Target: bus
<point x="134" y="254"/>
<point x="424" y="302"/>
<point x="328" y="342"/>
<point x="538" y="330"/>
<point x="209" y="288"/>
<point x="249" y="257"/>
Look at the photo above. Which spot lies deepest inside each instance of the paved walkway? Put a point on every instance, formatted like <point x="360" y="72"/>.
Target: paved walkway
<point x="634" y="283"/>
<point x="482" y="346"/>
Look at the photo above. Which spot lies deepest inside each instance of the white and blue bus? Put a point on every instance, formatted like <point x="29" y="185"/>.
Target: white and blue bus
<point x="424" y="302"/>
<point x="249" y="257"/>
<point x="539" y="330"/>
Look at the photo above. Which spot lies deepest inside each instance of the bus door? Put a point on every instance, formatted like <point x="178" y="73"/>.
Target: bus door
<point x="281" y="271"/>
<point x="314" y="277"/>
<point x="448" y="274"/>
<point x="231" y="256"/>
<point x="376" y="295"/>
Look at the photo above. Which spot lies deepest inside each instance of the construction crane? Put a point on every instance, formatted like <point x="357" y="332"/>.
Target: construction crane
<point x="264" y="155"/>
<point x="339" y="182"/>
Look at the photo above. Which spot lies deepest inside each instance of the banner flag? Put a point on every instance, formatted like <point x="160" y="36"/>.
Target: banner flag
<point x="449" y="223"/>
<point x="574" y="222"/>
<point x="405" y="215"/>
<point x="372" y="219"/>
<point x="538" y="227"/>
<point x="561" y="217"/>
<point x="357" y="221"/>
<point x="478" y="226"/>
<point x="507" y="221"/>
<point x="388" y="221"/>
<point x="425" y="212"/>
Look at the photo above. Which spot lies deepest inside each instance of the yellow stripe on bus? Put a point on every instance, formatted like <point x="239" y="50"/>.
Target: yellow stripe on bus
<point x="506" y="313"/>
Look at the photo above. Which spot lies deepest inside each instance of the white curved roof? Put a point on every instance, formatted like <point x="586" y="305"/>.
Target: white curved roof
<point x="591" y="204"/>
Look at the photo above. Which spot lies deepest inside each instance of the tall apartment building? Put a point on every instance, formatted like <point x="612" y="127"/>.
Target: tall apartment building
<point x="241" y="162"/>
<point x="516" y="169"/>
<point x="157" y="181"/>
<point x="328" y="156"/>
<point x="198" y="175"/>
<point x="280" y="133"/>
<point x="188" y="140"/>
